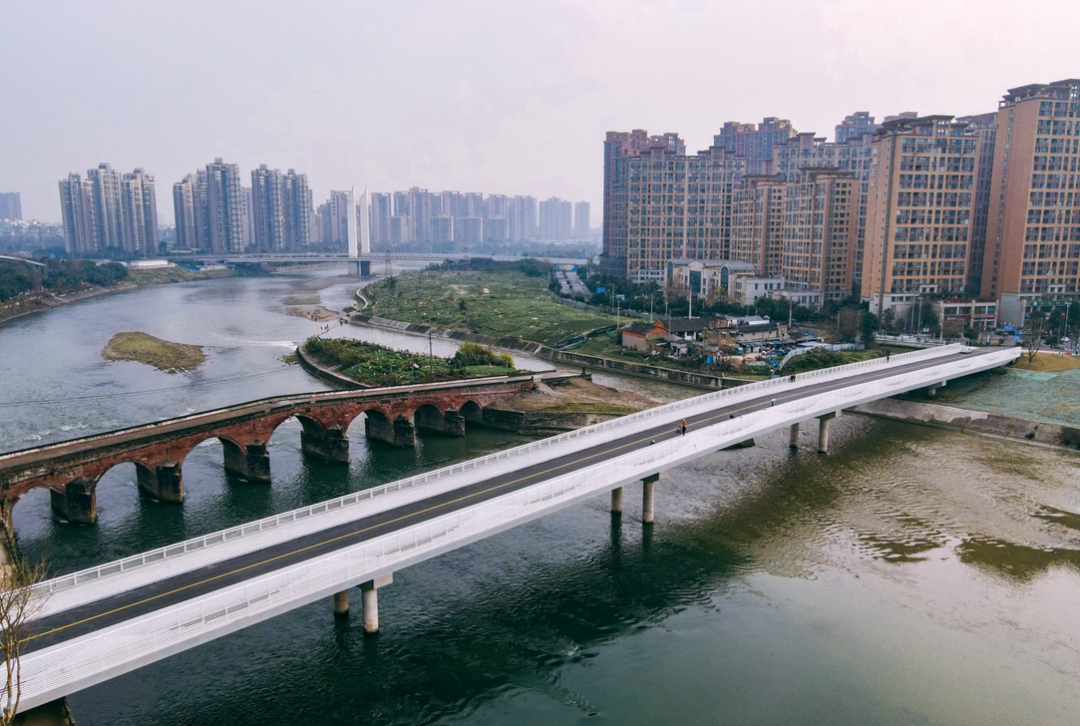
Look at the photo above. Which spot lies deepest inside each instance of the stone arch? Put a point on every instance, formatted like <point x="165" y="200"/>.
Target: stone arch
<point x="472" y="411"/>
<point x="446" y="422"/>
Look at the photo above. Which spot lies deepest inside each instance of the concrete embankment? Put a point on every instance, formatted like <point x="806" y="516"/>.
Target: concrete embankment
<point x="318" y="370"/>
<point x="655" y="373"/>
<point x="974" y="422"/>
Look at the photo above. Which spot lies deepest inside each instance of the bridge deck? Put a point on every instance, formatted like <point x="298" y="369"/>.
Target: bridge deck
<point x="89" y="617"/>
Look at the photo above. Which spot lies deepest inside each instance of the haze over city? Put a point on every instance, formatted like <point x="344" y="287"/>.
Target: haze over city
<point x="512" y="98"/>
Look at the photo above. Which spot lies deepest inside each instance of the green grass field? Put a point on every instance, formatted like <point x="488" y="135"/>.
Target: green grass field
<point x="514" y="304"/>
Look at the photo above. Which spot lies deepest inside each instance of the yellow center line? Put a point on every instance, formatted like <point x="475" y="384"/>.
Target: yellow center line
<point x="430" y="509"/>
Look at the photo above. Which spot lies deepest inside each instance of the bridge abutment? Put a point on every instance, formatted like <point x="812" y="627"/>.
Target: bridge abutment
<point x="77" y="503"/>
<point x="398" y="433"/>
<point x="452" y="423"/>
<point x="250" y="462"/>
<point x="164" y="483"/>
<point x="327" y="444"/>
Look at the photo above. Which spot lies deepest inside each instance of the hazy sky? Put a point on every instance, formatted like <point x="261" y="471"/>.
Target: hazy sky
<point x="476" y="95"/>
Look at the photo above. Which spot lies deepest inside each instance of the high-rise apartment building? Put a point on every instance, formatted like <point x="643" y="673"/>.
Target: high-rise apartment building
<point x="381" y="212"/>
<point x="269" y="209"/>
<point x="662" y="204"/>
<point x="223" y="201"/>
<point x="108" y="207"/>
<point x="857" y="124"/>
<point x="556" y="219"/>
<point x="139" y="212"/>
<point x="984" y="126"/>
<point x="757" y="223"/>
<point x="920" y="204"/>
<point x="10" y="205"/>
<point x="443" y="229"/>
<point x="522" y="219"/>
<point x="363" y="226"/>
<point x="468" y="231"/>
<point x="297" y="208"/>
<point x="820" y="231"/>
<point x="77" y="207"/>
<point x="754" y="144"/>
<point x="342" y="222"/>
<point x="109" y="211"/>
<point x="582" y="221"/>
<point x="185" y="199"/>
<point x="1033" y="230"/>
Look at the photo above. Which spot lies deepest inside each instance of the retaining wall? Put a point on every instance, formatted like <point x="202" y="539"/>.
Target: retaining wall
<point x="976" y="422"/>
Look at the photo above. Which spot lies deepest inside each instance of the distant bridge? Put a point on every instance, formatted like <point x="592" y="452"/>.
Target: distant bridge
<point x="21" y="259"/>
<point x="360" y="266"/>
<point x="112" y="619"/>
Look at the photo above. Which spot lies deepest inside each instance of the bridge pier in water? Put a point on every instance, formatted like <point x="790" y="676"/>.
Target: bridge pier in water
<point x="370" y="594"/>
<point x="330" y="444"/>
<point x="452" y="423"/>
<point x="77" y="503"/>
<point x="616" y="501"/>
<point x="932" y="390"/>
<point x="250" y="462"/>
<point x="648" y="495"/>
<point x="399" y="433"/>
<point x="341" y="603"/>
<point x="793" y="442"/>
<point x="823" y="432"/>
<point x="164" y="483"/>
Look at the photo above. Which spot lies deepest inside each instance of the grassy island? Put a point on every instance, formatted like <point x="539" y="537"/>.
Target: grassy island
<point x="162" y="354"/>
<point x="375" y="365"/>
<point x="497" y="302"/>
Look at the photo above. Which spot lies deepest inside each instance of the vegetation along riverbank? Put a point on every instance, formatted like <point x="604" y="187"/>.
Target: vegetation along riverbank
<point x="375" y="365"/>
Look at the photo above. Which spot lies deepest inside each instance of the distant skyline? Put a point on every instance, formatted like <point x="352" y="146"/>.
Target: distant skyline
<point x="474" y="95"/>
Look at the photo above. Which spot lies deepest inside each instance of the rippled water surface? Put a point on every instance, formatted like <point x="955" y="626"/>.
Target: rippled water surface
<point x="913" y="576"/>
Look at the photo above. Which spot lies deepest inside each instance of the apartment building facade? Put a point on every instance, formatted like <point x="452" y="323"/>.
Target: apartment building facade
<point x="920" y="204"/>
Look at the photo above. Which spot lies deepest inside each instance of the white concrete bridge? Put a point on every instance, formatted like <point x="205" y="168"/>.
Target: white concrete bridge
<point x="99" y="623"/>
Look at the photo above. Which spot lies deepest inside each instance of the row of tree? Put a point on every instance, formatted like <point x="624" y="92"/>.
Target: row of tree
<point x="17" y="278"/>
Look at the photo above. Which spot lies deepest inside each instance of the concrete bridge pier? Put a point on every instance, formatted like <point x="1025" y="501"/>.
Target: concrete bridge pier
<point x="452" y="423"/>
<point x="616" y="501"/>
<point x="823" y="432"/>
<point x="932" y="390"/>
<point x="77" y="503"/>
<point x="249" y="462"/>
<point x="370" y="590"/>
<point x="341" y="604"/>
<point x="327" y="444"/>
<point x="648" y="493"/>
<point x="164" y="483"/>
<point x="399" y="433"/>
<point x="793" y="441"/>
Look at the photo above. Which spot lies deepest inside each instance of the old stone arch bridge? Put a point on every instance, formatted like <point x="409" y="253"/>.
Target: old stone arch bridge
<point x="71" y="469"/>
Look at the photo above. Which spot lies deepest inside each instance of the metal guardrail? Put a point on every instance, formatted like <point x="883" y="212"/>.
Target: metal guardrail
<point x="53" y="672"/>
<point x="127" y="564"/>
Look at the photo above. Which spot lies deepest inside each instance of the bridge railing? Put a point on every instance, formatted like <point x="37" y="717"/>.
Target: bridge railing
<point x="92" y="574"/>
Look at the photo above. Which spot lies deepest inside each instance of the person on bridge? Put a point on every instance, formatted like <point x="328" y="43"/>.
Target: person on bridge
<point x="773" y="402"/>
<point x="683" y="427"/>
<point x="792" y="377"/>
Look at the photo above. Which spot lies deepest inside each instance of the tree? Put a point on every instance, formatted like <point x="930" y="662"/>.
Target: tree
<point x="1032" y="337"/>
<point x="848" y="328"/>
<point x="18" y="604"/>
<point x="868" y="326"/>
<point x="952" y="330"/>
<point x="888" y="319"/>
<point x="462" y="305"/>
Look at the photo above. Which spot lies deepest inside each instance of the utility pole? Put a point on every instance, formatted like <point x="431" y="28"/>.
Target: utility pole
<point x="431" y="355"/>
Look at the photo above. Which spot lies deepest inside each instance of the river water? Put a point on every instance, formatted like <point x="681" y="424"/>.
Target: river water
<point x="913" y="576"/>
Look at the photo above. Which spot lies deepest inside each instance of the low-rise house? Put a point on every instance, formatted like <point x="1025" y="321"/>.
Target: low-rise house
<point x="643" y="335"/>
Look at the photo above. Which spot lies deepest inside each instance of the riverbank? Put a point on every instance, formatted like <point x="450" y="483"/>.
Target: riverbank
<point x="563" y="406"/>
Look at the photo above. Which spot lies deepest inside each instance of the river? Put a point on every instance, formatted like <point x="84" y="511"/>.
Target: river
<point x="913" y="576"/>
